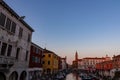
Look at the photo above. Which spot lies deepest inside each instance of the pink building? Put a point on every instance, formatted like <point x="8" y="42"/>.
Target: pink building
<point x="89" y="63"/>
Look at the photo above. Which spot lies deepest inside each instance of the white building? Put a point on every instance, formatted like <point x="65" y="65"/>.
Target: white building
<point x="90" y="62"/>
<point x="80" y="64"/>
<point x="15" y="41"/>
<point x="64" y="63"/>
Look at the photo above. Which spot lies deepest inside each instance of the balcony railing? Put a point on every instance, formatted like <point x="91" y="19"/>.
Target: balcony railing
<point x="4" y="69"/>
<point x="6" y="63"/>
<point x="7" y="60"/>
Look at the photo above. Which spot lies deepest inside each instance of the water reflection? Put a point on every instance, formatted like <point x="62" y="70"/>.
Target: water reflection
<point x="72" y="76"/>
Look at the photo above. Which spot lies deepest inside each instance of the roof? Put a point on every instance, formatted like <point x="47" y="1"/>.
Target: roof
<point x="33" y="44"/>
<point x="93" y="58"/>
<point x="47" y="51"/>
<point x="15" y="14"/>
<point x="106" y="62"/>
<point x="117" y="56"/>
<point x="79" y="59"/>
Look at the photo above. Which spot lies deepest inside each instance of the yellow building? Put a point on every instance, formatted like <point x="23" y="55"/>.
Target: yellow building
<point x="49" y="61"/>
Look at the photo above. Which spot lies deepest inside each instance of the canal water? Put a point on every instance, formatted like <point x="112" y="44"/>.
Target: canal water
<point x="72" y="76"/>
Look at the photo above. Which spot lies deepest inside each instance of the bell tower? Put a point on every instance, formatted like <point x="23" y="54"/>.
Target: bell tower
<point x="76" y="56"/>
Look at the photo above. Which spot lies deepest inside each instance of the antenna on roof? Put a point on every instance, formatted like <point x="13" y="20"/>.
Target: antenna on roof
<point x="22" y="17"/>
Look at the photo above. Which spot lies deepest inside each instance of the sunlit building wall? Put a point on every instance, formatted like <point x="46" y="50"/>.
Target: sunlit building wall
<point x="104" y="68"/>
<point x="116" y="65"/>
<point x="64" y="63"/>
<point x="49" y="62"/>
<point x="90" y="62"/>
<point x="15" y="41"/>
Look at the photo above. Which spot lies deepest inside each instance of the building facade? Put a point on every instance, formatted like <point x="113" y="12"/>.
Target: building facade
<point x="104" y="68"/>
<point x="110" y="68"/>
<point x="89" y="63"/>
<point x="49" y="62"/>
<point x="64" y="63"/>
<point x="15" y="41"/>
<point x="116" y="66"/>
<point x="35" y="62"/>
<point x="80" y="64"/>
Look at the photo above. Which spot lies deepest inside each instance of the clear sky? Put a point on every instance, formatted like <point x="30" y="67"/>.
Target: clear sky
<point x="90" y="27"/>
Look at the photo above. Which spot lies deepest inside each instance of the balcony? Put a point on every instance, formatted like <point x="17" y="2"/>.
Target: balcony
<point x="7" y="60"/>
<point x="6" y="63"/>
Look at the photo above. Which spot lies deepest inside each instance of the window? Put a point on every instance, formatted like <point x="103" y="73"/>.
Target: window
<point x="37" y="51"/>
<point x="39" y="60"/>
<point x="48" y="62"/>
<point x="4" y="47"/>
<point x="33" y="59"/>
<point x="9" y="50"/>
<point x="43" y="62"/>
<point x="13" y="28"/>
<point x="34" y="49"/>
<point x="8" y="24"/>
<point x="43" y="55"/>
<point x="20" y="32"/>
<point x="17" y="53"/>
<point x="26" y="56"/>
<point x="49" y="55"/>
<point x="29" y="37"/>
<point x="2" y="19"/>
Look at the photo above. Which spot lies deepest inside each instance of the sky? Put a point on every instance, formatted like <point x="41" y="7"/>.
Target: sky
<point x="90" y="27"/>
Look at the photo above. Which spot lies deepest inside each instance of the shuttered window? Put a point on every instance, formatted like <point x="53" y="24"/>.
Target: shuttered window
<point x="13" y="27"/>
<point x="3" y="50"/>
<point x="8" y="24"/>
<point x="9" y="50"/>
<point x="2" y="19"/>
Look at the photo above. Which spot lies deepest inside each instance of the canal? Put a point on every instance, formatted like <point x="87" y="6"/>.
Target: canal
<point x="72" y="76"/>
